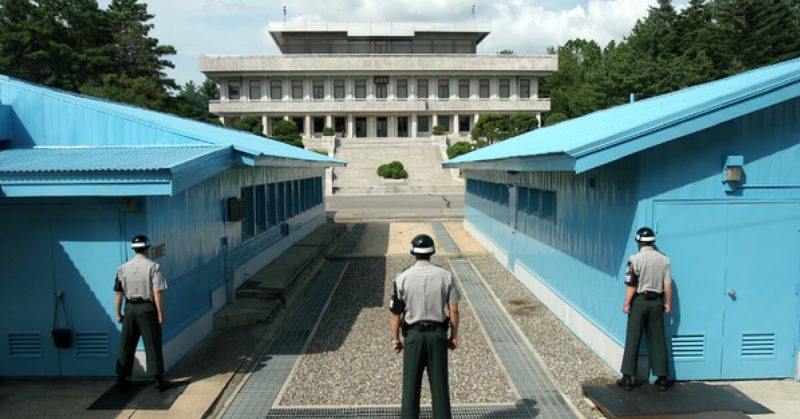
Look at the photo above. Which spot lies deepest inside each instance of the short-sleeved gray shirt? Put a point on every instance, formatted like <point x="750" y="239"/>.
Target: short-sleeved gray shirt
<point x="652" y="269"/>
<point x="139" y="278"/>
<point x="427" y="290"/>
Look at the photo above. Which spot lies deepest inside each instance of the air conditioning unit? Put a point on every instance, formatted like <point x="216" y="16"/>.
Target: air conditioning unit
<point x="236" y="209"/>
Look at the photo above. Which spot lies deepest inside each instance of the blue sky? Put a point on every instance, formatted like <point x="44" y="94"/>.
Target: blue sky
<point x="238" y="27"/>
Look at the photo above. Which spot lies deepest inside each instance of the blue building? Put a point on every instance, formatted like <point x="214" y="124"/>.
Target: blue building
<point x="714" y="169"/>
<point x="80" y="176"/>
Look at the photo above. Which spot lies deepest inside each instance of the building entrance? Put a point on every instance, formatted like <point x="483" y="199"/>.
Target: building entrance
<point x="382" y="126"/>
<point x="361" y="127"/>
<point x="402" y="126"/>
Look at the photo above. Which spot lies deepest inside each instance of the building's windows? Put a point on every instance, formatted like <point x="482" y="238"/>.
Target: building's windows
<point x="483" y="90"/>
<point x="423" y="124"/>
<point x="296" y="47"/>
<point x="537" y="203"/>
<point x="549" y="206"/>
<point x="463" y="123"/>
<point x="261" y="208"/>
<point x="296" y="196"/>
<point x="464" y="47"/>
<point x="524" y="89"/>
<point x="300" y="124"/>
<point x="339" y="47"/>
<point x="359" y="47"/>
<point x="463" y="89"/>
<point x="319" y="47"/>
<point x="338" y="89"/>
<point x="444" y="89"/>
<point x="423" y="46"/>
<point x="248" y="222"/>
<point x="234" y="90"/>
<point x="422" y="89"/>
<point x="255" y="90"/>
<point x="319" y="124"/>
<point x="318" y="89"/>
<point x="401" y="47"/>
<point x="505" y="88"/>
<point x="402" y="89"/>
<point x="361" y="88"/>
<point x="297" y="89"/>
<point x="276" y="89"/>
<point x="272" y="210"/>
<point x="444" y="121"/>
<point x="380" y="47"/>
<point x="380" y="91"/>
<point x="442" y="46"/>
<point x="340" y="124"/>
<point x="281" y="202"/>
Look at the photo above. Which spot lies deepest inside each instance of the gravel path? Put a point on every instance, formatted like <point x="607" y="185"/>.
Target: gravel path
<point x="567" y="359"/>
<point x="349" y="361"/>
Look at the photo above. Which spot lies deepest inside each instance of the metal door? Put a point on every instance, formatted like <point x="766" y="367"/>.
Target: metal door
<point x="87" y="249"/>
<point x="736" y="275"/>
<point x="71" y="250"/>
<point x="26" y="294"/>
<point x="761" y="291"/>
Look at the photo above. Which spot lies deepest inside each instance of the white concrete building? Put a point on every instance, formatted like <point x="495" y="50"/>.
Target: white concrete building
<point x="377" y="79"/>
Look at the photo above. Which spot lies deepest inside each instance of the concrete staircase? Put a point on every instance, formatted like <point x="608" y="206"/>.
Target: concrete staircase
<point x="421" y="158"/>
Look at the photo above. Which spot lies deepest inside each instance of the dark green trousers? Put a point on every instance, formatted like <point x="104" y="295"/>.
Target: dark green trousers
<point x="140" y="320"/>
<point x="426" y="349"/>
<point x="647" y="315"/>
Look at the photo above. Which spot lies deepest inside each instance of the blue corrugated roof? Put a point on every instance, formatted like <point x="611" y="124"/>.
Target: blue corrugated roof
<point x="183" y="131"/>
<point x="604" y="136"/>
<point x="100" y="159"/>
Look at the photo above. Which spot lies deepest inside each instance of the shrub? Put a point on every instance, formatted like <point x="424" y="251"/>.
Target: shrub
<point x="463" y="147"/>
<point x="327" y="131"/>
<point x="249" y="123"/>
<point x="286" y="132"/>
<point x="316" y="150"/>
<point x="393" y="170"/>
<point x="521" y="122"/>
<point x="438" y="130"/>
<point x="490" y="126"/>
<point x="554" y="118"/>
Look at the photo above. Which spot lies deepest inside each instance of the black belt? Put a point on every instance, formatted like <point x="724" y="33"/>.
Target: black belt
<point x="137" y="301"/>
<point x="650" y="295"/>
<point x="427" y="325"/>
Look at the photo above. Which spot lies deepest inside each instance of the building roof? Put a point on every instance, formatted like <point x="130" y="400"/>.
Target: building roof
<point x="376" y="29"/>
<point x="58" y="132"/>
<point x="601" y="137"/>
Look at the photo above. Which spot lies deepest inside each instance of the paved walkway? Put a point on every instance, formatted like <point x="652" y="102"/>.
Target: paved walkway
<point x="539" y="394"/>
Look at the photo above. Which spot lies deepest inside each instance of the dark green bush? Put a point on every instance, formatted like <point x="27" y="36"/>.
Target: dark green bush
<point x="393" y="170"/>
<point x="464" y="147"/>
<point x="438" y="130"/>
<point x="286" y="132"/>
<point x="327" y="131"/>
<point x="554" y="118"/>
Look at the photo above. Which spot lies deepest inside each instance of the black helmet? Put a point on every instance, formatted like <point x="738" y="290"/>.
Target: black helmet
<point x="140" y="242"/>
<point x="645" y="235"/>
<point x="422" y="244"/>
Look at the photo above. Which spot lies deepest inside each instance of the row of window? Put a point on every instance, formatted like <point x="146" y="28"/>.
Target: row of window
<point x="403" y="124"/>
<point x="536" y="203"/>
<point x="268" y="205"/>
<point x="348" y="46"/>
<point x="381" y="85"/>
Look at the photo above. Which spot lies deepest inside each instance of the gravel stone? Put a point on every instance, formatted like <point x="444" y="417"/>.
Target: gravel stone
<point x="349" y="359"/>
<point x="567" y="359"/>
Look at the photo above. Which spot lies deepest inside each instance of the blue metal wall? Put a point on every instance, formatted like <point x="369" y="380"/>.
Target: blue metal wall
<point x="581" y="256"/>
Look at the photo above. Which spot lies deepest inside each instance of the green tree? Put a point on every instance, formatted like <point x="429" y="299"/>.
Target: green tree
<point x="286" y="132"/>
<point x="521" y="122"/>
<point x="463" y="147"/>
<point x="554" y="118"/>
<point x="490" y="126"/>
<point x="249" y="123"/>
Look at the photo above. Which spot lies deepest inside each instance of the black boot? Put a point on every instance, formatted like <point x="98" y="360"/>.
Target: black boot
<point x="121" y="384"/>
<point x="161" y="383"/>
<point x="661" y="383"/>
<point x="626" y="382"/>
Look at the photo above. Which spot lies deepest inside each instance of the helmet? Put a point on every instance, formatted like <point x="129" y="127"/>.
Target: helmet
<point x="422" y="244"/>
<point x="139" y="242"/>
<point x="645" y="235"/>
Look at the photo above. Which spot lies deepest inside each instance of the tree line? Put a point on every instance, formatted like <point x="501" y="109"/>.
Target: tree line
<point x="74" y="45"/>
<point x="668" y="50"/>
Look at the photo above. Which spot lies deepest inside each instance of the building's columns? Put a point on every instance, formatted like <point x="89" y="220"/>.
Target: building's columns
<point x="286" y="118"/>
<point x="475" y="121"/>
<point x="224" y="121"/>
<point x="329" y="121"/>
<point x="307" y="126"/>
<point x="413" y="125"/>
<point x="539" y="118"/>
<point x="455" y="125"/>
<point x="434" y="121"/>
<point x="264" y="125"/>
<point x="350" y="123"/>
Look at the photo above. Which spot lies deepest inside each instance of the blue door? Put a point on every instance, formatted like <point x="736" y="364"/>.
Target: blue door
<point x="74" y="250"/>
<point x="736" y="274"/>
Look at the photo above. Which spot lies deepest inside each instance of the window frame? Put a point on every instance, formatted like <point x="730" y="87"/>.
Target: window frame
<point x="297" y="84"/>
<point x="276" y="84"/>
<point x="234" y="86"/>
<point x="318" y="89"/>
<point x="250" y="85"/>
<point x="337" y="85"/>
<point x="360" y="84"/>
<point x="443" y="89"/>
<point x="463" y="84"/>
<point x="398" y="87"/>
<point x="504" y="84"/>
<point x="484" y="84"/>
<point x="423" y="83"/>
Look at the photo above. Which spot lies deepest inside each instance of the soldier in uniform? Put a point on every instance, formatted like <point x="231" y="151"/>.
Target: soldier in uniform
<point x="425" y="300"/>
<point x="140" y="283"/>
<point x="648" y="296"/>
